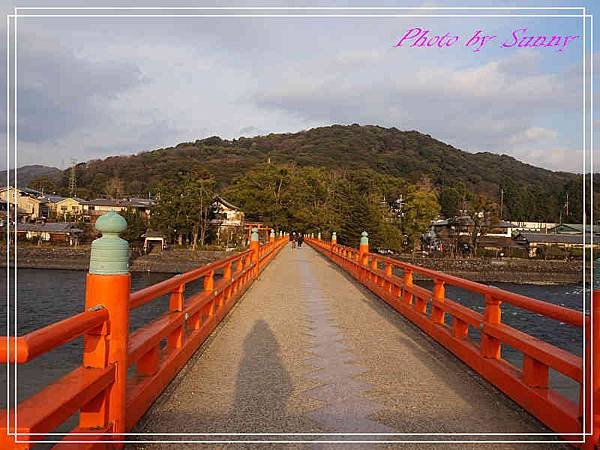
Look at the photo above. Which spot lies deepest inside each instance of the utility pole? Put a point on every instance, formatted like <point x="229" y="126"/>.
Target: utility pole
<point x="501" y="202"/>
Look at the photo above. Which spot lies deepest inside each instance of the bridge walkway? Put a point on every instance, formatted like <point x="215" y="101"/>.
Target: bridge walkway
<point x="308" y="350"/>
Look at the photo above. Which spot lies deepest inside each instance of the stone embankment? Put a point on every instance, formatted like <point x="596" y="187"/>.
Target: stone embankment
<point x="509" y="270"/>
<point x="485" y="270"/>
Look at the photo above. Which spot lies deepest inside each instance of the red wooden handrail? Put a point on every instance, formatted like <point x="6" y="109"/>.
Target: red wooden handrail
<point x="50" y="337"/>
<point x="93" y="389"/>
<point x="550" y="310"/>
<point x="150" y="293"/>
<point x="528" y="386"/>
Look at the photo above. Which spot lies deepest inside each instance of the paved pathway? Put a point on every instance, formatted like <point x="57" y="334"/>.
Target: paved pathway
<point x="307" y="350"/>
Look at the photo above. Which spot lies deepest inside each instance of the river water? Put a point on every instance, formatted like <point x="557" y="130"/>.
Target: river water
<point x="46" y="296"/>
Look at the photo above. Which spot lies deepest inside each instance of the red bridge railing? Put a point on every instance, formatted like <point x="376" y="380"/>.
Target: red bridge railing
<point x="109" y="398"/>
<point x="528" y="386"/>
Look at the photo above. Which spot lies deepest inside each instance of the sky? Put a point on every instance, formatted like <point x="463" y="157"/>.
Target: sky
<point x="93" y="87"/>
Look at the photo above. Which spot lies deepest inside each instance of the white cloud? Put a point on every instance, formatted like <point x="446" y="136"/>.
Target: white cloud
<point x="534" y="135"/>
<point x="563" y="159"/>
<point x="100" y="88"/>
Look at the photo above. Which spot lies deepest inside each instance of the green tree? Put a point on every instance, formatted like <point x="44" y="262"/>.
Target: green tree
<point x="137" y="225"/>
<point x="484" y="213"/>
<point x="184" y="206"/>
<point x="450" y="200"/>
<point x="43" y="184"/>
<point x="421" y="207"/>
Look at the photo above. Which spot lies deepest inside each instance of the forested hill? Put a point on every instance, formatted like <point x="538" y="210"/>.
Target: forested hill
<point x="407" y="154"/>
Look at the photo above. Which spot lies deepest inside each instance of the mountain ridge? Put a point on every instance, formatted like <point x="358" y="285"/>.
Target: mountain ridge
<point x="407" y="154"/>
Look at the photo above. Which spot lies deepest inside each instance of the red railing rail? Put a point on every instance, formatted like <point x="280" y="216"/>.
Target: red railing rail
<point x="393" y="281"/>
<point x="110" y="400"/>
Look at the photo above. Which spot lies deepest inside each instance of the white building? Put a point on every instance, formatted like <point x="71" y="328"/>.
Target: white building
<point x="229" y="222"/>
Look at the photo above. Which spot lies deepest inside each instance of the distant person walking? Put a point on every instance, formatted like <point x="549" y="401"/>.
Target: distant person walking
<point x="300" y="240"/>
<point x="293" y="239"/>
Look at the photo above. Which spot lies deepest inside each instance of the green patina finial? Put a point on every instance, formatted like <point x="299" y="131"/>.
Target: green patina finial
<point x="254" y="235"/>
<point x="364" y="237"/>
<point x="110" y="253"/>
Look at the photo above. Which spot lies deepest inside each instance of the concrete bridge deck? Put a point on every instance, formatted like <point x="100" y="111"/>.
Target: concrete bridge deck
<point x="308" y="350"/>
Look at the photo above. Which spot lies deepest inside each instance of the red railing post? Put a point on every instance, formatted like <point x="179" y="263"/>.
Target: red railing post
<point x="389" y="271"/>
<point x="363" y="249"/>
<point x="490" y="346"/>
<point x="255" y="247"/>
<point x="175" y="339"/>
<point x="439" y="294"/>
<point x="107" y="285"/>
<point x="407" y="296"/>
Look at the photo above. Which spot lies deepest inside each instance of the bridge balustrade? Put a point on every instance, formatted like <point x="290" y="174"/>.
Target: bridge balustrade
<point x="528" y="386"/>
<point x="109" y="397"/>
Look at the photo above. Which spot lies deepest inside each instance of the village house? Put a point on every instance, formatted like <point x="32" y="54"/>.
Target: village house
<point x="565" y="244"/>
<point x="456" y="234"/>
<point x="228" y="221"/>
<point x="574" y="228"/>
<point x="59" y="232"/>
<point x="26" y="205"/>
<point x="533" y="226"/>
<point x="65" y="207"/>
<point x="95" y="208"/>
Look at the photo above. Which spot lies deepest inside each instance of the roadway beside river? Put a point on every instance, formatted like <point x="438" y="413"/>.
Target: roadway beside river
<point x="484" y="270"/>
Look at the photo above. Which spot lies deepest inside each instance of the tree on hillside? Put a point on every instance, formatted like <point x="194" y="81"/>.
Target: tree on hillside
<point x="43" y="184"/>
<point x="264" y="193"/>
<point x="451" y="200"/>
<point x="484" y="213"/>
<point x="358" y="214"/>
<point x="136" y="226"/>
<point x="200" y="191"/>
<point x="115" y="188"/>
<point x="184" y="206"/>
<point x="421" y="207"/>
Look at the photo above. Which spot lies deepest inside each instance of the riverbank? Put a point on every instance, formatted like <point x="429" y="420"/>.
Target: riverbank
<point x="78" y="258"/>
<point x="483" y="270"/>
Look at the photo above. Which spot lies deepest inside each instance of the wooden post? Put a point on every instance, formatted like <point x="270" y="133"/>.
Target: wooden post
<point x="175" y="339"/>
<point x="437" y="314"/>
<point x="107" y="285"/>
<point x="363" y="249"/>
<point x="490" y="346"/>
<point x="407" y="297"/>
<point x="255" y="247"/>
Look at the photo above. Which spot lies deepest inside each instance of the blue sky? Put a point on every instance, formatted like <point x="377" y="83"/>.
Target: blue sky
<point x="94" y="87"/>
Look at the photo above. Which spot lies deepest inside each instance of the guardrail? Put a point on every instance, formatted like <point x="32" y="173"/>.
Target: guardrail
<point x="529" y="386"/>
<point x="110" y="400"/>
